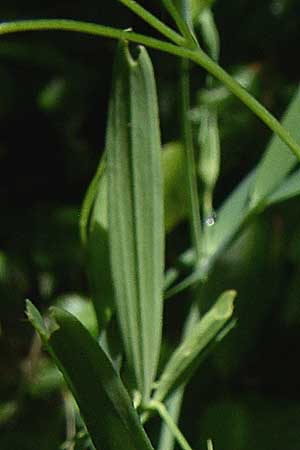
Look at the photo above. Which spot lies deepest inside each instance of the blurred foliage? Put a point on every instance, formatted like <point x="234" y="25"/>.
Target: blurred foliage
<point x="53" y="100"/>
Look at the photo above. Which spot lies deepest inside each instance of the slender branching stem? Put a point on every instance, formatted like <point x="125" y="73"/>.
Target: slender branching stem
<point x="187" y="141"/>
<point x="163" y="412"/>
<point x="181" y="23"/>
<point x="198" y="56"/>
<point x="154" y="22"/>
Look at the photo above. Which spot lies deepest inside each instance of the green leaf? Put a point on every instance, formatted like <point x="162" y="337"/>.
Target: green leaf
<point x="36" y="320"/>
<point x="99" y="274"/>
<point x="7" y="411"/>
<point x="94" y="224"/>
<point x="288" y="189"/>
<point x="102" y="399"/>
<point x="174" y="401"/>
<point x="229" y="220"/>
<point x="98" y="257"/>
<point x="136" y="217"/>
<point x="187" y="356"/>
<point x="277" y="161"/>
<point x="82" y="308"/>
<point x="94" y="236"/>
<point x="231" y="216"/>
<point x="271" y="171"/>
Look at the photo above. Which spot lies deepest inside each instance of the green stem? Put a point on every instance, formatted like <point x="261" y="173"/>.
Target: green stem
<point x="210" y="445"/>
<point x="154" y="21"/>
<point x="181" y="23"/>
<point x="197" y="275"/>
<point x="162" y="411"/>
<point x="207" y="202"/>
<point x="187" y="141"/>
<point x="198" y="56"/>
<point x="214" y="69"/>
<point x="88" y="201"/>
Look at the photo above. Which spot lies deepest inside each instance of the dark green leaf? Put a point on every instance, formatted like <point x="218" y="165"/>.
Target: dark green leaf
<point x="103" y="401"/>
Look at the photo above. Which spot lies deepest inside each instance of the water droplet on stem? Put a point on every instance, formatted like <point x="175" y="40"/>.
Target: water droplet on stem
<point x="211" y="219"/>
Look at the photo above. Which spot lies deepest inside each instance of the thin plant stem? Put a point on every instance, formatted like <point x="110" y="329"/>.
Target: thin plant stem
<point x="181" y="23"/>
<point x="154" y="21"/>
<point x="200" y="275"/>
<point x="88" y="202"/>
<point x="166" y="440"/>
<point x="207" y="202"/>
<point x="187" y="141"/>
<point x="210" y="445"/>
<point x="163" y="412"/>
<point x="198" y="56"/>
<point x="70" y="421"/>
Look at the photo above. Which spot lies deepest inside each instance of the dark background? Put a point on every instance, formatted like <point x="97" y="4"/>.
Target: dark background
<point x="54" y="91"/>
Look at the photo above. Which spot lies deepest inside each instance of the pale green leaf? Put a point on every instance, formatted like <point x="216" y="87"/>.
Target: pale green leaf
<point x="36" y="320"/>
<point x="187" y="356"/>
<point x="230" y="216"/>
<point x="174" y="401"/>
<point x="270" y="172"/>
<point x="288" y="189"/>
<point x="277" y="161"/>
<point x="136" y="217"/>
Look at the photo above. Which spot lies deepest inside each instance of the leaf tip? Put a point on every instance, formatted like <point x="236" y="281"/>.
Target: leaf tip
<point x="226" y="304"/>
<point x="36" y="319"/>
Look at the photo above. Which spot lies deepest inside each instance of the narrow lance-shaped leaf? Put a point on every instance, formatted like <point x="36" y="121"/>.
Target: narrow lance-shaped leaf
<point x="94" y="236"/>
<point x="174" y="401"/>
<point x="103" y="401"/>
<point x="188" y="355"/>
<point x="289" y="188"/>
<point x="243" y="200"/>
<point x="94" y="224"/>
<point x="136" y="217"/>
<point x="258" y="185"/>
<point x="277" y="161"/>
<point x="98" y="257"/>
<point x="231" y="214"/>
